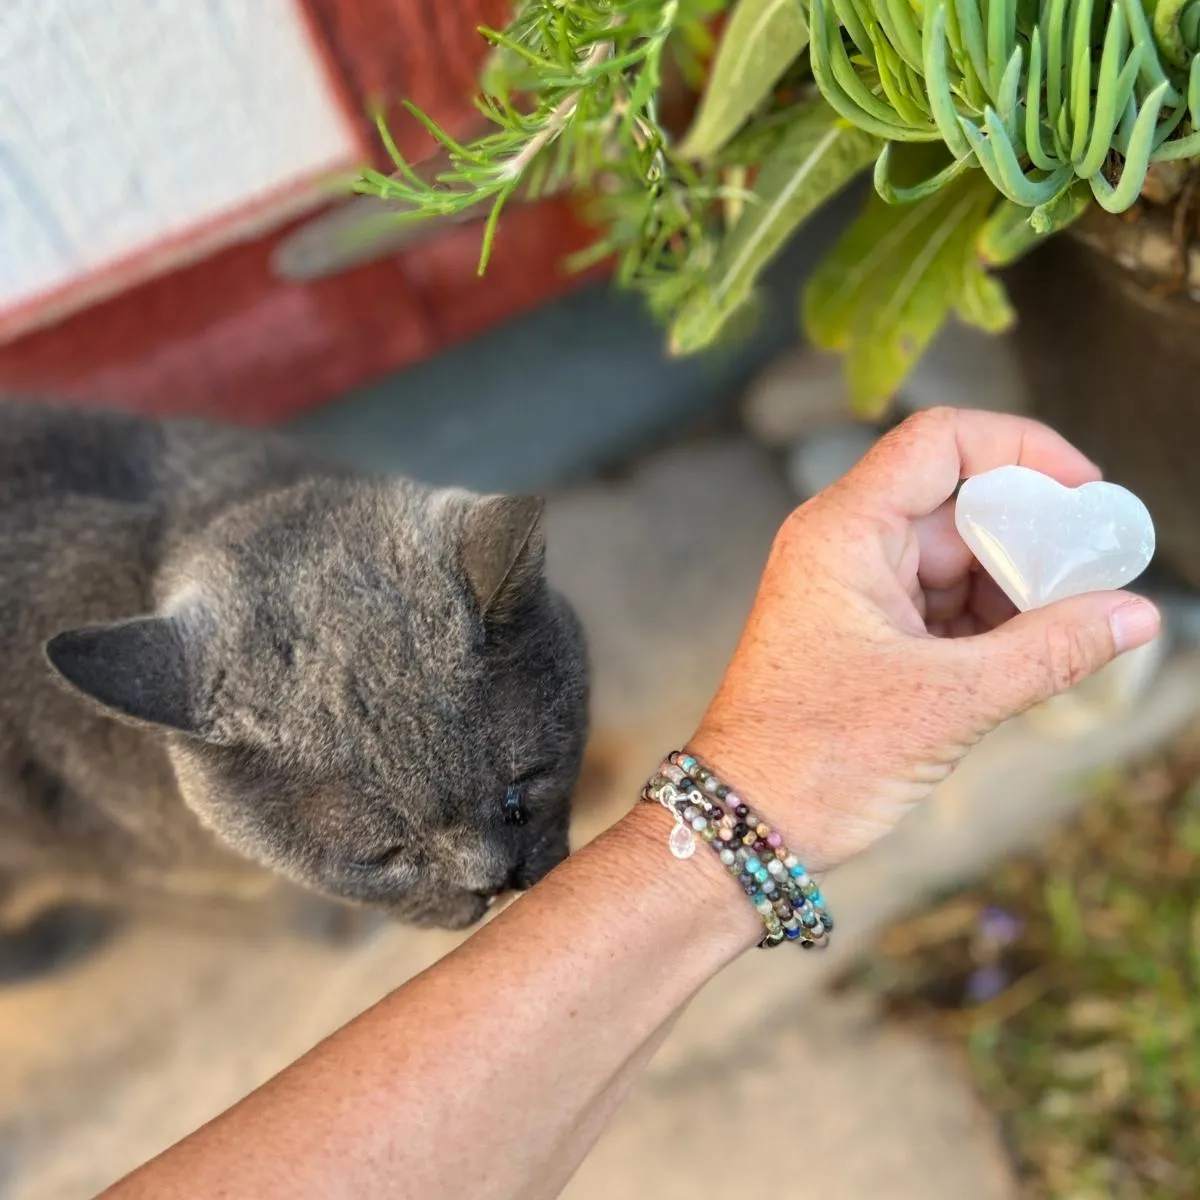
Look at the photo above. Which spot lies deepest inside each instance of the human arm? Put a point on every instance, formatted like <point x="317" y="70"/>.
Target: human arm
<point x="490" y="1074"/>
<point x="473" y="1078"/>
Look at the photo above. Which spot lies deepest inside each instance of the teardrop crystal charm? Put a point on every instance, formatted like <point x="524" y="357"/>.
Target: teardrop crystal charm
<point x="682" y="841"/>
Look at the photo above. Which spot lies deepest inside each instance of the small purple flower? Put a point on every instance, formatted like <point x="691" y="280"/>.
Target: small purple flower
<point x="986" y="983"/>
<point x="1000" y="927"/>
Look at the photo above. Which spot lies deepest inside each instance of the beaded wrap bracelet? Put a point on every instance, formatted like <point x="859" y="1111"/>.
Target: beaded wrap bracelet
<point x="783" y="893"/>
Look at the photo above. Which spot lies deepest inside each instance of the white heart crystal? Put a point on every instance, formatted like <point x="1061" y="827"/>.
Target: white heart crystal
<point x="1042" y="542"/>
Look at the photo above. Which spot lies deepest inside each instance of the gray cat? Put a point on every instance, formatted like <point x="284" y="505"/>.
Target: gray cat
<point x="221" y="655"/>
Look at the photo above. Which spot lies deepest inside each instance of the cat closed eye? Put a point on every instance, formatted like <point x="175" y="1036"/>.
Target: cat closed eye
<point x="376" y="862"/>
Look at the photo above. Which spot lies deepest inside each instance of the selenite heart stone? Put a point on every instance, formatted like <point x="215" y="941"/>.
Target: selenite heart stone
<point x="1042" y="542"/>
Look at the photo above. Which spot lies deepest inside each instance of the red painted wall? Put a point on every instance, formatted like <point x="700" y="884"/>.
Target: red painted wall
<point x="223" y="338"/>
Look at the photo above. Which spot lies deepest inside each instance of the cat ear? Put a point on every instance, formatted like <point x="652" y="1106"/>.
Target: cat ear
<point x="137" y="669"/>
<point x="503" y="552"/>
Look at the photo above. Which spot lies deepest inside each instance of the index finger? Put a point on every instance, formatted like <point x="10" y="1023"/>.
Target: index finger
<point x="916" y="467"/>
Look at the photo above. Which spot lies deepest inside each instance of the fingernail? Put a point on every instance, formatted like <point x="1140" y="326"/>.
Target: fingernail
<point x="1133" y="624"/>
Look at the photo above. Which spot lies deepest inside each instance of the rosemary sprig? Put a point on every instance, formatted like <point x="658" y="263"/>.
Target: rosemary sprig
<point x="571" y="97"/>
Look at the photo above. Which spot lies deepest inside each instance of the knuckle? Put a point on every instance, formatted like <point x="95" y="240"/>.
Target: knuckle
<point x="795" y="530"/>
<point x="939" y="414"/>
<point x="929" y="424"/>
<point x="928" y="419"/>
<point x="1071" y="654"/>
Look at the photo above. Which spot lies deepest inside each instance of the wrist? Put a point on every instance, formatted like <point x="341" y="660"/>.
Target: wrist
<point x="699" y="904"/>
<point x="771" y="785"/>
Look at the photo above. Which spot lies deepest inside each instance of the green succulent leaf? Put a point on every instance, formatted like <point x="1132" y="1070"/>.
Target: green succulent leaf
<point x="906" y="172"/>
<point x="1012" y="230"/>
<point x="1168" y="17"/>
<point x="894" y="278"/>
<point x="763" y="38"/>
<point x="1062" y="211"/>
<point x="817" y="157"/>
<point x="1006" y="235"/>
<point x="982" y="300"/>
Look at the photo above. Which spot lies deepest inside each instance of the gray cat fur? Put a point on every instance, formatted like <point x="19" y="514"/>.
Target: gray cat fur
<point x="222" y="655"/>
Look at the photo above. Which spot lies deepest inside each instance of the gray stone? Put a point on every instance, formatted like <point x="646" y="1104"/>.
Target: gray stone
<point x="801" y="391"/>
<point x="966" y="368"/>
<point x="825" y="456"/>
<point x="804" y="391"/>
<point x="801" y="400"/>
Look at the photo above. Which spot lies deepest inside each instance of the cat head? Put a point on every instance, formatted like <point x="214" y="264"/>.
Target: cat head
<point x="367" y="686"/>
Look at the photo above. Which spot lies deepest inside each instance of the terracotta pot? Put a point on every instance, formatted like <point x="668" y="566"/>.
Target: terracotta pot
<point x="1112" y="357"/>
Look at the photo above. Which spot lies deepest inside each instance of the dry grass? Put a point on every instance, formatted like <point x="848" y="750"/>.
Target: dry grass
<point x="1072" y="981"/>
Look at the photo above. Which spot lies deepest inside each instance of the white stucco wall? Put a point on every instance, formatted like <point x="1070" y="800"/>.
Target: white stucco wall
<point x="126" y="121"/>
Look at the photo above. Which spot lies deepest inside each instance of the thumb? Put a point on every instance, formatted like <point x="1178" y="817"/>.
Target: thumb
<point x="1040" y="654"/>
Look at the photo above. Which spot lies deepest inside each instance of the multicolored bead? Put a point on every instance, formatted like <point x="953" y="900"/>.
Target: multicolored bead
<point x="787" y="899"/>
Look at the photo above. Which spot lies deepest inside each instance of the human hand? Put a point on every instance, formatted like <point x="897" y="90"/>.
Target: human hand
<point x="878" y="652"/>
